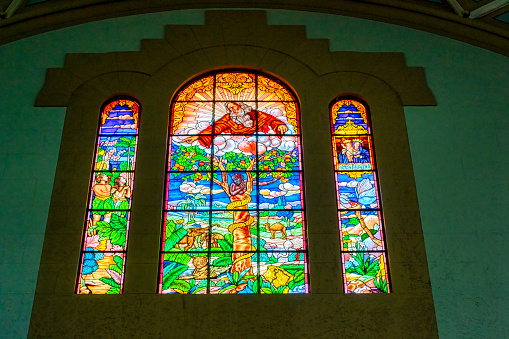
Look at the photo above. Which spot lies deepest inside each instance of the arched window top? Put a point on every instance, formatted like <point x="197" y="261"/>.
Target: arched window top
<point x="349" y="117"/>
<point x="234" y="207"/>
<point x="362" y="234"/>
<point x="260" y="91"/>
<point x="104" y="245"/>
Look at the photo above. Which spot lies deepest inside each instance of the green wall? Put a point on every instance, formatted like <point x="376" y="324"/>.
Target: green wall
<point x="458" y="150"/>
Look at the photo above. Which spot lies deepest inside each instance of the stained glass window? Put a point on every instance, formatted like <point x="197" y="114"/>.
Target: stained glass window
<point x="363" y="249"/>
<point x="234" y="208"/>
<point x="103" y="251"/>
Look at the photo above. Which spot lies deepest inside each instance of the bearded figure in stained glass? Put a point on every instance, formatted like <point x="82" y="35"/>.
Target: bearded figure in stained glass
<point x="240" y="119"/>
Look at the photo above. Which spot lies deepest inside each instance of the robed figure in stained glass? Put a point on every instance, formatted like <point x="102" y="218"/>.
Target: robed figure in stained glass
<point x="230" y="134"/>
<point x="240" y="119"/>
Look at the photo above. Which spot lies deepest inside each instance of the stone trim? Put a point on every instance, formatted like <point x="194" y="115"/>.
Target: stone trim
<point x="152" y="75"/>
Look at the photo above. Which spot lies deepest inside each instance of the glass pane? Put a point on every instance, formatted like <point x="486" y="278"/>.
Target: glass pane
<point x="280" y="190"/>
<point x="199" y="90"/>
<point x="279" y="153"/>
<point x="234" y="231"/>
<point x="357" y="190"/>
<point x="361" y="231"/>
<point x="234" y="190"/>
<point x="188" y="191"/>
<point x="120" y="117"/>
<point x="273" y="90"/>
<point x="101" y="273"/>
<point x="184" y="273"/>
<point x="365" y="272"/>
<point x="281" y="231"/>
<point x="272" y="116"/>
<point x="192" y="118"/>
<point x="235" y="86"/>
<point x="349" y="117"/>
<point x="186" y="231"/>
<point x="106" y="231"/>
<point x="112" y="191"/>
<point x="233" y="273"/>
<point x="116" y="153"/>
<point x="353" y="153"/>
<point x="188" y="158"/>
<point x="283" y="273"/>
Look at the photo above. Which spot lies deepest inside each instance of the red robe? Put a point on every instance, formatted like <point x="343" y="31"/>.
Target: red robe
<point x="226" y="125"/>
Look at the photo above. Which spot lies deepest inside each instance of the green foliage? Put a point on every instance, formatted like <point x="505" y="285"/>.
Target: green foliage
<point x="178" y="257"/>
<point x="363" y="265"/>
<point x="115" y="230"/>
<point x="109" y="281"/>
<point x="278" y="160"/>
<point x="381" y="284"/>
<point x="223" y="261"/>
<point x="272" y="260"/>
<point x="190" y="158"/>
<point x="353" y="221"/>
<point x="113" y="290"/>
<point x="174" y="233"/>
<point x="171" y="272"/>
<point x="365" y="235"/>
<point x="225" y="245"/>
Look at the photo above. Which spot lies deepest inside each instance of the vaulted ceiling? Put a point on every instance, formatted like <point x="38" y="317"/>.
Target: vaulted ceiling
<point x="483" y="23"/>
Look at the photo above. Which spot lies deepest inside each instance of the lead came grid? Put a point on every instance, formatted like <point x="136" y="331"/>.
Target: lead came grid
<point x="103" y="251"/>
<point x="234" y="207"/>
<point x="362" y="238"/>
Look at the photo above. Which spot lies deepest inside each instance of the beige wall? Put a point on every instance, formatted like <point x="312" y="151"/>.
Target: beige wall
<point x="152" y="75"/>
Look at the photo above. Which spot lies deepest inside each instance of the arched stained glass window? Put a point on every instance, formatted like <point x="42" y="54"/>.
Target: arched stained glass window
<point x="234" y="206"/>
<point x="104" y="245"/>
<point x="363" y="248"/>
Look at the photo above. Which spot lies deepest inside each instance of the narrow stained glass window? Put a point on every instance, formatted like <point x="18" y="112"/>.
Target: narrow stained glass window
<point x="363" y="249"/>
<point x="234" y="208"/>
<point x="106" y="228"/>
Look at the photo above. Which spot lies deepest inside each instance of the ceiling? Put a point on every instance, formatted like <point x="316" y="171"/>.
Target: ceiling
<point x="483" y="23"/>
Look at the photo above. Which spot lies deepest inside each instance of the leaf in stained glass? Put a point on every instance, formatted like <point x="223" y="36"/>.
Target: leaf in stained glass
<point x="357" y="190"/>
<point x="272" y="90"/>
<point x="186" y="231"/>
<point x="120" y="117"/>
<point x="116" y="153"/>
<point x="353" y="153"/>
<point x="235" y="86"/>
<point x="101" y="273"/>
<point x="361" y="231"/>
<point x="184" y="273"/>
<point x="224" y="279"/>
<point x="283" y="272"/>
<point x="280" y="190"/>
<point x="107" y="231"/>
<point x="187" y="157"/>
<point x="365" y="272"/>
<point x="112" y="190"/>
<point x="188" y="191"/>
<point x="349" y="117"/>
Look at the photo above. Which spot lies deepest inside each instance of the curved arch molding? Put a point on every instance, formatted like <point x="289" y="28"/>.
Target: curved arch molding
<point x="434" y="18"/>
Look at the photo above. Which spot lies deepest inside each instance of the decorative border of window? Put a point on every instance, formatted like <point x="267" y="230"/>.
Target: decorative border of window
<point x="232" y="132"/>
<point x="362" y="236"/>
<point x="104" y="247"/>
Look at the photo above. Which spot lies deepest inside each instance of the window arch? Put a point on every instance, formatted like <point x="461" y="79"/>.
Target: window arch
<point x="104" y="243"/>
<point x="233" y="208"/>
<point x="363" y="248"/>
